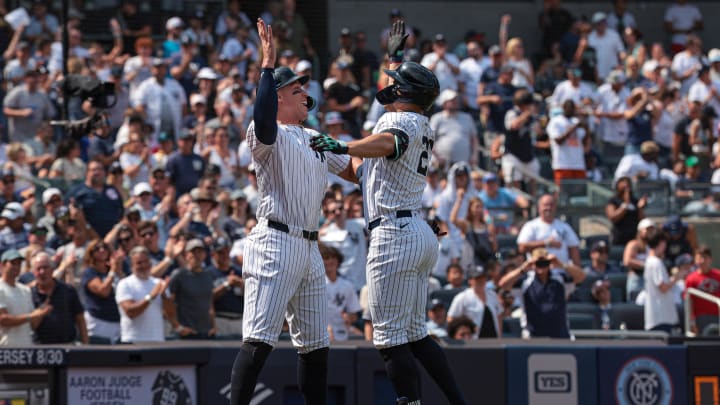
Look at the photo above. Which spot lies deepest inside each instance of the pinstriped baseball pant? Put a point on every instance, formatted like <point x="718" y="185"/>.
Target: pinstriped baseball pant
<point x="402" y="253"/>
<point x="284" y="279"/>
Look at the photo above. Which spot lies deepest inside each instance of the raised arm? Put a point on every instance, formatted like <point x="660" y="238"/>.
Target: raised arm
<point x="266" y="101"/>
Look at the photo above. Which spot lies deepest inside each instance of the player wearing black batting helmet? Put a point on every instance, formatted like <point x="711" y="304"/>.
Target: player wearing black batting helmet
<point x="284" y="76"/>
<point x="413" y="83"/>
<point x="403" y="247"/>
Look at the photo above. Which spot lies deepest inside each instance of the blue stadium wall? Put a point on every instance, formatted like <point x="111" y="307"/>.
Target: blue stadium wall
<point x="515" y="372"/>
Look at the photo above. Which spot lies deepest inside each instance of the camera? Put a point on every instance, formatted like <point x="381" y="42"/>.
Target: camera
<point x="101" y="96"/>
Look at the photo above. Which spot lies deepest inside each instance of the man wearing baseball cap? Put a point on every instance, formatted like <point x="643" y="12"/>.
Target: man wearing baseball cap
<point x="543" y="294"/>
<point x="16" y="307"/>
<point x="228" y="291"/>
<point x="161" y="99"/>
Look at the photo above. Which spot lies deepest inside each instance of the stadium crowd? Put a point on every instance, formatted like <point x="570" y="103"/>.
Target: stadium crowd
<point x="134" y="232"/>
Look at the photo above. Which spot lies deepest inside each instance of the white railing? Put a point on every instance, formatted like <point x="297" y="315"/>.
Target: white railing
<point x="688" y="306"/>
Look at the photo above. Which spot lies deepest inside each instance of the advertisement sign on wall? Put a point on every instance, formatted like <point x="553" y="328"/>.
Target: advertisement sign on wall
<point x="551" y="375"/>
<point x="639" y="376"/>
<point x="158" y="385"/>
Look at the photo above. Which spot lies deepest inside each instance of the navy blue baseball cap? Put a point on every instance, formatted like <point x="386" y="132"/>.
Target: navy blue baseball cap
<point x="284" y="76"/>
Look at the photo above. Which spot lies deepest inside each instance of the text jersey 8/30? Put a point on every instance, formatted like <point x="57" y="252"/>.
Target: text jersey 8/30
<point x="392" y="185"/>
<point x="291" y="177"/>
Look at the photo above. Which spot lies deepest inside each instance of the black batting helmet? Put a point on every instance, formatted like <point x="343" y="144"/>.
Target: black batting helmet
<point x="413" y="83"/>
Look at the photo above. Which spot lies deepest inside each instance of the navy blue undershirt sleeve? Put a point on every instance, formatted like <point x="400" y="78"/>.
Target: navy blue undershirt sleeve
<point x="265" y="111"/>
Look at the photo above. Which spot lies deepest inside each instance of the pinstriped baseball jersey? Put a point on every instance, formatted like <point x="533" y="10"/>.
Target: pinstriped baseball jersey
<point x="291" y="177"/>
<point x="393" y="185"/>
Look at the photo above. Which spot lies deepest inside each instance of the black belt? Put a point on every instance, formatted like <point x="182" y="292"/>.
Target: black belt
<point x="399" y="214"/>
<point x="309" y="235"/>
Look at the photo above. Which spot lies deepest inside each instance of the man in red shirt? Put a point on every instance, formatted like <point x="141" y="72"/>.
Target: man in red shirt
<point x="705" y="279"/>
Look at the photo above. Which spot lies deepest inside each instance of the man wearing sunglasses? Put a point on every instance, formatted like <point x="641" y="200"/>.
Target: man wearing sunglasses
<point x="543" y="294"/>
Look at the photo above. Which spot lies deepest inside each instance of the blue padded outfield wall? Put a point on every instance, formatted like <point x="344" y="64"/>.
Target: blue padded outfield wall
<point x="515" y="372"/>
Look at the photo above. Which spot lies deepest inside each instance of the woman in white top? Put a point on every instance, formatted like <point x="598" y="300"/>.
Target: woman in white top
<point x="17" y="162"/>
<point x="225" y="158"/>
<point x="515" y="57"/>
<point x="136" y="161"/>
<point x="68" y="165"/>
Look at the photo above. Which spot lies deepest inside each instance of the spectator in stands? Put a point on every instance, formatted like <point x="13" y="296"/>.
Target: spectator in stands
<point x="455" y="277"/>
<point x="524" y="77"/>
<point x="228" y="291"/>
<point x="139" y="297"/>
<point x="133" y="24"/>
<point x="572" y="89"/>
<point x="496" y="100"/>
<point x="706" y="279"/>
<point x="345" y="96"/>
<point x="693" y="175"/>
<point x="601" y="295"/>
<point x="71" y="254"/>
<point x="68" y="165"/>
<point x="456" y="138"/>
<point x="14" y="234"/>
<point x="682" y="19"/>
<point x="612" y="111"/>
<point x="102" y="269"/>
<point x="349" y="238"/>
<point x="625" y="211"/>
<point x="437" y="319"/>
<point x="607" y="43"/>
<point x="478" y="303"/>
<point x="599" y="265"/>
<point x="65" y="321"/>
<point x="680" y="238"/>
<point x="543" y="295"/>
<point x="521" y="125"/>
<point x="702" y="133"/>
<point x="17" y="315"/>
<point x="641" y="117"/>
<point x="184" y="165"/>
<point x="554" y="22"/>
<point x="471" y="70"/>
<point x="477" y="230"/>
<point x="492" y="69"/>
<point x="462" y="328"/>
<point x="687" y="63"/>
<point x="42" y="150"/>
<point x="640" y="166"/>
<point x="569" y="139"/>
<point x="458" y="182"/>
<point x="547" y="231"/>
<point x="190" y="308"/>
<point x="101" y="203"/>
<point x="660" y="312"/>
<point x="634" y="256"/>
<point x="26" y="106"/>
<point x="161" y="100"/>
<point x="342" y="298"/>
<point x="619" y="19"/>
<point x="681" y="147"/>
<point x="148" y="236"/>
<point x="444" y="64"/>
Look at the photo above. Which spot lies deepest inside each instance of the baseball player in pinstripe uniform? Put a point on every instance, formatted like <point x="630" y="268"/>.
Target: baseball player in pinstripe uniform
<point x="403" y="248"/>
<point x="283" y="271"/>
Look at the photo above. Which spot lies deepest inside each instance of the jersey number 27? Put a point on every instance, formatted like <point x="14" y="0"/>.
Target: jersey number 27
<point x="425" y="156"/>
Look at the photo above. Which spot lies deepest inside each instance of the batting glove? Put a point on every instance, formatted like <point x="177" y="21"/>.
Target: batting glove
<point x="324" y="143"/>
<point x="396" y="41"/>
